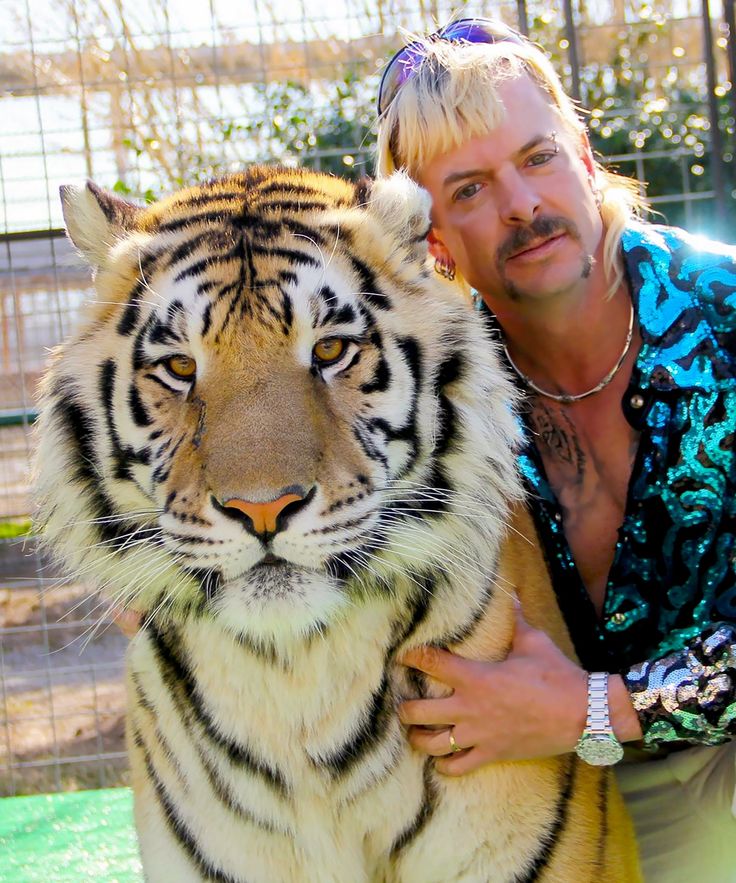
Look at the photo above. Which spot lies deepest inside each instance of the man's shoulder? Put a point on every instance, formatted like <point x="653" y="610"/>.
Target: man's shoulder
<point x="662" y="242"/>
<point x="668" y="266"/>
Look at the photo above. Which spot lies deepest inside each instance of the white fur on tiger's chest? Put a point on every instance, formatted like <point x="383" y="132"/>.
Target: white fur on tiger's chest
<point x="324" y="827"/>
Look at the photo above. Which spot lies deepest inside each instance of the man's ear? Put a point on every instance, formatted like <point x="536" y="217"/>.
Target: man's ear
<point x="438" y="249"/>
<point x="586" y="154"/>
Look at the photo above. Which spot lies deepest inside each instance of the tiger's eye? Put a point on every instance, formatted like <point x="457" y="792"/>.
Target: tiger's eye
<point x="182" y="366"/>
<point x="329" y="350"/>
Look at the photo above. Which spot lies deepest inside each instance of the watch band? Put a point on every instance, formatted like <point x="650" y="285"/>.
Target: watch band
<point x="598" y="744"/>
<point x="599" y="719"/>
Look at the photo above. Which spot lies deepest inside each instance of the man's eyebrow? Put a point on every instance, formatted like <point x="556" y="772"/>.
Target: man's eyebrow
<point x="459" y="176"/>
<point x="536" y="141"/>
<point x="453" y="177"/>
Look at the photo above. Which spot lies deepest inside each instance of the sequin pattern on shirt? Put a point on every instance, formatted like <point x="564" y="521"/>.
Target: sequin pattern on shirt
<point x="688" y="696"/>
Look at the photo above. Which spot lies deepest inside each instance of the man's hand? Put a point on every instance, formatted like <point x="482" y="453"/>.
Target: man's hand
<point x="127" y="621"/>
<point x="533" y="704"/>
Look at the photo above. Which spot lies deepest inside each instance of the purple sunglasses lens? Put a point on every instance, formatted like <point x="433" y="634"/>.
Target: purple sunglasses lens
<point x="405" y="65"/>
<point x="475" y="32"/>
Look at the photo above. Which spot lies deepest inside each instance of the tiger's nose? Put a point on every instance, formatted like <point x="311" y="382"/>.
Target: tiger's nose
<point x="267" y="519"/>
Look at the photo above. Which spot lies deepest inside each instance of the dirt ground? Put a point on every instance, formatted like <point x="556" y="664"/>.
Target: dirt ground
<point x="62" y="699"/>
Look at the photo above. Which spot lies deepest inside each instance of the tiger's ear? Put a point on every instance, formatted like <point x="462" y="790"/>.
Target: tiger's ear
<point x="96" y="220"/>
<point x="403" y="210"/>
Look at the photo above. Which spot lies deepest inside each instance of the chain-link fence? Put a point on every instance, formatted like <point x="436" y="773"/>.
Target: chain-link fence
<point x="145" y="96"/>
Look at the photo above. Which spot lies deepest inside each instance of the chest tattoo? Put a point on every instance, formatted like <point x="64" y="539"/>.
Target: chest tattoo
<point x="558" y="440"/>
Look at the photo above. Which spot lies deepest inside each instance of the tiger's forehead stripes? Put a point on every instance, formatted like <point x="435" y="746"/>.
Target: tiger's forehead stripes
<point x="230" y="230"/>
<point x="250" y="201"/>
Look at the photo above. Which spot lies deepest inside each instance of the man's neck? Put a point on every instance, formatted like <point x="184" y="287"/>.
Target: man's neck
<point x="570" y="341"/>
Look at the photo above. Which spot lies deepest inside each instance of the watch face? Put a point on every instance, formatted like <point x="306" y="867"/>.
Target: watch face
<point x="599" y="750"/>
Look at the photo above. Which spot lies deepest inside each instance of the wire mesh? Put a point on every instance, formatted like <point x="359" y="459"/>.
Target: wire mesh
<point x="146" y="96"/>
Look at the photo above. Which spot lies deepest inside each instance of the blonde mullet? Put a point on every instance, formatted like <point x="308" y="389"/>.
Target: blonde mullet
<point x="453" y="97"/>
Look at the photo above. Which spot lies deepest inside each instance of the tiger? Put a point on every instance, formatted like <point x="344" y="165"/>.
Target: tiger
<point x="290" y="448"/>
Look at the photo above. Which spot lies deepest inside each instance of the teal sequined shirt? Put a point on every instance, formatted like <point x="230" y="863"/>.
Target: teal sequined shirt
<point x="669" y="616"/>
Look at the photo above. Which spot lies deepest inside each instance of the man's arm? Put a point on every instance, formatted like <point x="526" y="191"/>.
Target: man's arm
<point x="688" y="696"/>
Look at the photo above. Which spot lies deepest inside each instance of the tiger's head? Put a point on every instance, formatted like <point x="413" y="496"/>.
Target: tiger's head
<point x="270" y="406"/>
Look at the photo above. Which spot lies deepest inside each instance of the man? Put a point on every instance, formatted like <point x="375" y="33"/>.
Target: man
<point x="623" y="335"/>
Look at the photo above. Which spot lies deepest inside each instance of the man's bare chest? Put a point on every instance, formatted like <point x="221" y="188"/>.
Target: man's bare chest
<point x="588" y="451"/>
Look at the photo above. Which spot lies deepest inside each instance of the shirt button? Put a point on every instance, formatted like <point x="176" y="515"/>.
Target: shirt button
<point x="636" y="401"/>
<point x="617" y="619"/>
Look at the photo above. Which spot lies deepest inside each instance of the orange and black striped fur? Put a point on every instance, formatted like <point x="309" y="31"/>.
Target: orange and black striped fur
<point x="293" y="451"/>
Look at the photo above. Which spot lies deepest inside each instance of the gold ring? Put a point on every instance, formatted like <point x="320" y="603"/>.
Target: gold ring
<point x="454" y="747"/>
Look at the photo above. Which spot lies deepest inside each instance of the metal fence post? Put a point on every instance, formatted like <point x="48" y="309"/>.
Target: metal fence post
<point x="521" y="15"/>
<point x="716" y="145"/>
<point x="572" y="49"/>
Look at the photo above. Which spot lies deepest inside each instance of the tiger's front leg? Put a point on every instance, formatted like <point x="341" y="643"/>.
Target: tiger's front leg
<point x="183" y="839"/>
<point x="555" y="820"/>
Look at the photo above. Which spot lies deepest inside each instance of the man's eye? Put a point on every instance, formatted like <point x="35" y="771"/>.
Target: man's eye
<point x="329" y="350"/>
<point x="466" y="192"/>
<point x="181" y="366"/>
<point x="541" y="158"/>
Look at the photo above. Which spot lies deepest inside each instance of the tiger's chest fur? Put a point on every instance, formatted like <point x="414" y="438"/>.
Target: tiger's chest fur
<point x="301" y="770"/>
<point x="281" y="443"/>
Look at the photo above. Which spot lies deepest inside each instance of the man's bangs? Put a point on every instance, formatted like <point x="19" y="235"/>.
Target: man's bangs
<point x="430" y="128"/>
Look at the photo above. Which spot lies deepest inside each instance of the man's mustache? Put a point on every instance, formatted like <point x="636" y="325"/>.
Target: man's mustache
<point x="540" y="228"/>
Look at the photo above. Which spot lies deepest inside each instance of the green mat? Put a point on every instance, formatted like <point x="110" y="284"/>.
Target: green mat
<point x="55" y="838"/>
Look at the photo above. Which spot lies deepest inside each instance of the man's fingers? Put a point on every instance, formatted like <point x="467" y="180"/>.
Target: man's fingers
<point x="127" y="621"/>
<point x="460" y="763"/>
<point x="437" y="743"/>
<point x="520" y="623"/>
<point x="440" y="664"/>
<point x="428" y="712"/>
<point x="527" y="638"/>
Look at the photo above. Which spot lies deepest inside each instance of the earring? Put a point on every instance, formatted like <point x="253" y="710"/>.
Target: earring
<point x="446" y="270"/>
<point x="596" y="191"/>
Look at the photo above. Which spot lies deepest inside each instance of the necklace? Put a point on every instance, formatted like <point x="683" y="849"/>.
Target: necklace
<point x="567" y="399"/>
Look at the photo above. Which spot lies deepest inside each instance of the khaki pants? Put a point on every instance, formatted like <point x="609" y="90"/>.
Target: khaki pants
<point x="684" y="812"/>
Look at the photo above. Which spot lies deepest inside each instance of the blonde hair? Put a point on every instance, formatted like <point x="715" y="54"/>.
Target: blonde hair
<point x="452" y="96"/>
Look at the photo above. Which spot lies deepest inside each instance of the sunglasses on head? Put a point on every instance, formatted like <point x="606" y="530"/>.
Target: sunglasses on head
<point x="407" y="60"/>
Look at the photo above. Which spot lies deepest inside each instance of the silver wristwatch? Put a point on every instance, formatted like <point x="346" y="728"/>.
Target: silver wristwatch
<point x="598" y="745"/>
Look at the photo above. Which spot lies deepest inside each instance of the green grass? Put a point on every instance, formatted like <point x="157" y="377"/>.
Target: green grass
<point x="69" y="838"/>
